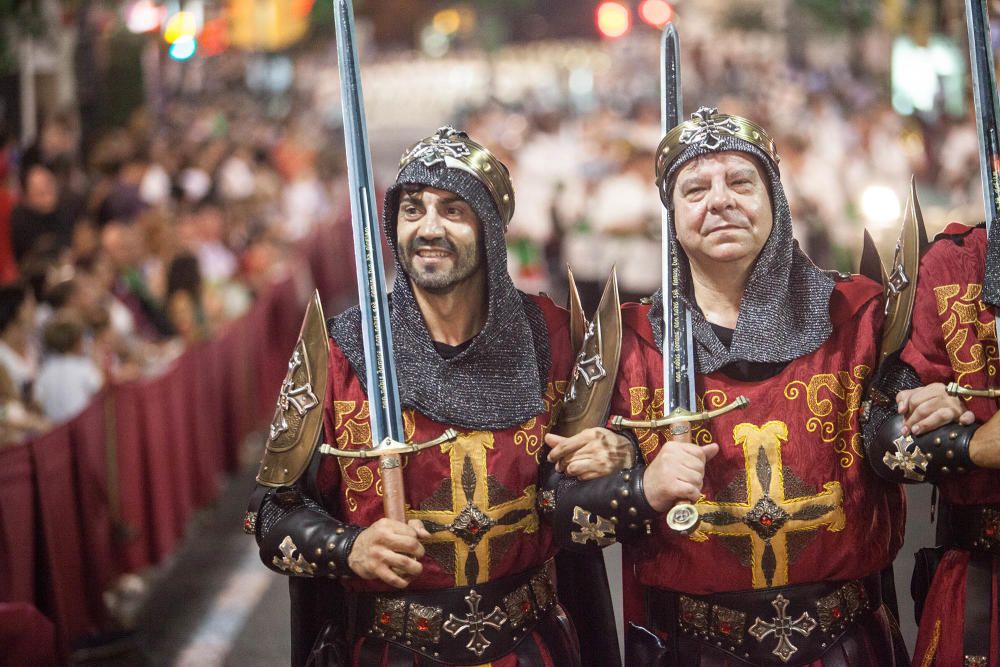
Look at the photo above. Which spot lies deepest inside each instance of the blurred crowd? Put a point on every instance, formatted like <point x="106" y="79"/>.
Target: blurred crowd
<point x="116" y="257"/>
<point x="117" y="254"/>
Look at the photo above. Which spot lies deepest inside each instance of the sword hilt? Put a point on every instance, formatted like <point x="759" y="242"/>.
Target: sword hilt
<point x="682" y="517"/>
<point x="955" y="389"/>
<point x="679" y="416"/>
<point x="388" y="447"/>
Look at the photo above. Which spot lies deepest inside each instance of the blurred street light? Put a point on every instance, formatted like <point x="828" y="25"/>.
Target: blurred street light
<point x="880" y="205"/>
<point x="656" y="13"/>
<point x="183" y="47"/>
<point x="181" y="24"/>
<point x="144" y="16"/>
<point x="613" y="19"/>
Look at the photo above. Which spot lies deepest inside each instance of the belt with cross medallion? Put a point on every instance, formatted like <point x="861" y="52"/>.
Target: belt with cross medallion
<point x="787" y="625"/>
<point x="466" y="625"/>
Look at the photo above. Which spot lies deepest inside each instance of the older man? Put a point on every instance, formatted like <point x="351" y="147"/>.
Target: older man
<point x="784" y="567"/>
<point x="466" y="580"/>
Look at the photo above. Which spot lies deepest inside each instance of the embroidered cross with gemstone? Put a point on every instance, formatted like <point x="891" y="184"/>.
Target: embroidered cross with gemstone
<point x="475" y="622"/>
<point x="913" y="462"/>
<point x="782" y="627"/>
<point x="296" y="392"/>
<point x="471" y="523"/>
<point x="707" y="131"/>
<point x="767" y="517"/>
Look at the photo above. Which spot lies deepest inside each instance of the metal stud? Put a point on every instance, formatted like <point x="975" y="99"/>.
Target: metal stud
<point x="614" y="504"/>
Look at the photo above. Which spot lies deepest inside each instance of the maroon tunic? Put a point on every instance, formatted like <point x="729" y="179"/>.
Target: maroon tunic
<point x="954" y="340"/>
<point x="788" y="499"/>
<point x="483" y="484"/>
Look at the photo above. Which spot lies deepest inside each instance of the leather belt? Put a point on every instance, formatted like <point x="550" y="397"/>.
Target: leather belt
<point x="771" y="626"/>
<point x="975" y="527"/>
<point x="460" y="626"/>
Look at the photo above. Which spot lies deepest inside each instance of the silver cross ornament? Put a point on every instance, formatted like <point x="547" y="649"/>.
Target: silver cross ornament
<point x="590" y="368"/>
<point x="708" y="133"/>
<point x="475" y="622"/>
<point x="601" y="530"/>
<point x="913" y="462"/>
<point x="300" y="397"/>
<point x="782" y="627"/>
<point x="438" y="149"/>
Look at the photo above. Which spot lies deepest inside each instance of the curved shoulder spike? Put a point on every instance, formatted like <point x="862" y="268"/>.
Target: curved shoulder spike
<point x="298" y="417"/>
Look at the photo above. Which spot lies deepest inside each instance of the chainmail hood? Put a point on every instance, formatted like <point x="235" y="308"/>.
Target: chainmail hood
<point x="498" y="381"/>
<point x="785" y="311"/>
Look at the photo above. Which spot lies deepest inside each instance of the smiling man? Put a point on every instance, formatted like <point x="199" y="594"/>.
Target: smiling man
<point x="784" y="567"/>
<point x="467" y="578"/>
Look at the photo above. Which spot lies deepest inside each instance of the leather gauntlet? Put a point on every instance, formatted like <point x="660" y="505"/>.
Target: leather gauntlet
<point x="928" y="457"/>
<point x="297" y="537"/>
<point x="589" y="515"/>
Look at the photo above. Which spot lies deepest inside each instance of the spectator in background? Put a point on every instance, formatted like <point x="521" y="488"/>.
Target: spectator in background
<point x="18" y="350"/>
<point x="68" y="378"/>
<point x="185" y="306"/>
<point x="37" y="223"/>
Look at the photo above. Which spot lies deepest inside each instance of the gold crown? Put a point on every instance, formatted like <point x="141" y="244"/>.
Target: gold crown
<point x="709" y="128"/>
<point x="456" y="150"/>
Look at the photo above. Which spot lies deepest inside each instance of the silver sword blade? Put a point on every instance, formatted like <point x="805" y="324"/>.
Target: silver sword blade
<point x="383" y="389"/>
<point x="678" y="344"/>
<point x="984" y="93"/>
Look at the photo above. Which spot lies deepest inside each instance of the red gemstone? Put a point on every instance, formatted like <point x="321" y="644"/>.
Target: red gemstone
<point x="385" y="618"/>
<point x="725" y="628"/>
<point x="422" y="624"/>
<point x="473" y="526"/>
<point x="991" y="531"/>
<point x="526" y="606"/>
<point x="766" y="520"/>
<point x="836" y="613"/>
<point x="688" y="616"/>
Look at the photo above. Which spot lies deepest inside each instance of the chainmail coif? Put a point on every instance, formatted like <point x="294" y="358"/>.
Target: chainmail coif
<point x="495" y="383"/>
<point x="785" y="311"/>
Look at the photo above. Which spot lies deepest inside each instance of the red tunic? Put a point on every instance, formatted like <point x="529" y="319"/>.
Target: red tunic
<point x="788" y="499"/>
<point x="954" y="340"/>
<point x="483" y="484"/>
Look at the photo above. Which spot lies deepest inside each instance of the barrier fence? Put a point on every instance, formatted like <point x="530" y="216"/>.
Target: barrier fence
<point x="111" y="491"/>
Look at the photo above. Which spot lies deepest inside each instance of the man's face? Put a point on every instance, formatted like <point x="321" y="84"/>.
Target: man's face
<point x="722" y="208"/>
<point x="438" y="237"/>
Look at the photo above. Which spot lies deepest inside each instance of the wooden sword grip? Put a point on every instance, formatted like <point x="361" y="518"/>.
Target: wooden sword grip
<point x="393" y="502"/>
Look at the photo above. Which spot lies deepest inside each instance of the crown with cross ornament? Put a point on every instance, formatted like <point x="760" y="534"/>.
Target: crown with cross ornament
<point x="708" y="129"/>
<point x="454" y="149"/>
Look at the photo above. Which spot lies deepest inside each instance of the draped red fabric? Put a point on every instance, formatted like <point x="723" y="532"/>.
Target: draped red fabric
<point x="17" y="525"/>
<point x="112" y="490"/>
<point x="26" y="637"/>
<point x="90" y="445"/>
<point x="62" y="580"/>
<point x="133" y="527"/>
<point x="165" y="498"/>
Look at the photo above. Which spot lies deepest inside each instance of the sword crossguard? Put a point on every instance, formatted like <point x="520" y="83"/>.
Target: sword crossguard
<point x="679" y="417"/>
<point x="388" y="447"/>
<point x="955" y="389"/>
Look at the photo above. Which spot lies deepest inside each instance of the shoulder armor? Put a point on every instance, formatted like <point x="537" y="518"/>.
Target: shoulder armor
<point x="298" y="417"/>
<point x="900" y="285"/>
<point x="599" y="344"/>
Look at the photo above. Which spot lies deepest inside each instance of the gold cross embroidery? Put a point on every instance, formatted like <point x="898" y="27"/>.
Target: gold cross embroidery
<point x="768" y="517"/>
<point x="471" y="523"/>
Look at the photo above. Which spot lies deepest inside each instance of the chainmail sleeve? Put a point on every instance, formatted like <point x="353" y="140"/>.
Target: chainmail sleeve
<point x="892" y="377"/>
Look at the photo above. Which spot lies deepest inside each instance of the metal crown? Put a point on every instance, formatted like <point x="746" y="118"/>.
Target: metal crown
<point x="454" y="149"/>
<point x="709" y="129"/>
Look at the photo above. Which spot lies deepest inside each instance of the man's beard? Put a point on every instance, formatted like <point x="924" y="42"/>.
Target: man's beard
<point x="465" y="262"/>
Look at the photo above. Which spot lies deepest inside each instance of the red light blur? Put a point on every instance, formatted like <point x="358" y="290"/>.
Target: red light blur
<point x="613" y="19"/>
<point x="656" y="13"/>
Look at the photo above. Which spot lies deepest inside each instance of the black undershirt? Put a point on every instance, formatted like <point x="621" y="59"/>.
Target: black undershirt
<point x="451" y="351"/>
<point x="745" y="371"/>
